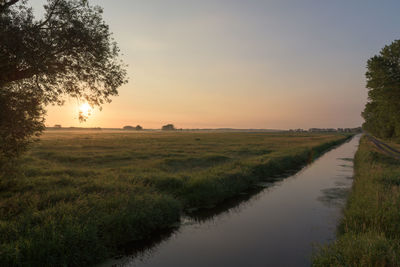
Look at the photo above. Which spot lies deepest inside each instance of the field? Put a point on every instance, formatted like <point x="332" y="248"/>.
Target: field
<point x="79" y="196"/>
<point x="369" y="234"/>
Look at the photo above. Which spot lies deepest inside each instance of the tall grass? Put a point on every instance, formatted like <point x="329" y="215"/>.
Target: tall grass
<point x="79" y="197"/>
<point x="207" y="189"/>
<point x="369" y="234"/>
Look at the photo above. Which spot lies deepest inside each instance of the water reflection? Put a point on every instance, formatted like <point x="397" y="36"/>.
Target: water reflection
<point x="335" y="196"/>
<point x="232" y="205"/>
<point x="276" y="225"/>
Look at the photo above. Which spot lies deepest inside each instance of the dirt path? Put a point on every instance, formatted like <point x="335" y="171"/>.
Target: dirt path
<point x="384" y="147"/>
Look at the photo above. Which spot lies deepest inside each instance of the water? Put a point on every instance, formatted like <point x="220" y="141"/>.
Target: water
<point x="278" y="226"/>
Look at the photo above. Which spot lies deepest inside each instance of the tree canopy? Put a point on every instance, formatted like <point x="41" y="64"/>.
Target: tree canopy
<point x="129" y="127"/>
<point x="382" y="112"/>
<point x="168" y="127"/>
<point x="68" y="52"/>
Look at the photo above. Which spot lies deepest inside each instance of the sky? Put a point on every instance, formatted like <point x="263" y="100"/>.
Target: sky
<point x="277" y="64"/>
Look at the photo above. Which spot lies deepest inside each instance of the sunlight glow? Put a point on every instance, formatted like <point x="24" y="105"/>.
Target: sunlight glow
<point x="85" y="110"/>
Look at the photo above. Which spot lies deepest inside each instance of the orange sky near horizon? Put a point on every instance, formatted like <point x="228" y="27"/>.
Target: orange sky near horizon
<point x="238" y="64"/>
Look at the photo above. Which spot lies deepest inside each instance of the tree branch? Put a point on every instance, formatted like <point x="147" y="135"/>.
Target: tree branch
<point x="4" y="4"/>
<point x="18" y="75"/>
<point x="53" y="8"/>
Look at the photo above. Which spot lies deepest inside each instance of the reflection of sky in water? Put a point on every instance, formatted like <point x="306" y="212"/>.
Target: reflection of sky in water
<point x="335" y="196"/>
<point x="276" y="227"/>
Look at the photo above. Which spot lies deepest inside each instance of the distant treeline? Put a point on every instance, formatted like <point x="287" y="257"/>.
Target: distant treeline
<point x="58" y="127"/>
<point x="382" y="112"/>
<point x="329" y="130"/>
<point x="171" y="127"/>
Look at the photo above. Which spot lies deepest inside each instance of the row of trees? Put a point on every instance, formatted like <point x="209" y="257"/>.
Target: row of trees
<point x="382" y="112"/>
<point x="329" y="130"/>
<point x="136" y="128"/>
<point x="168" y="127"/>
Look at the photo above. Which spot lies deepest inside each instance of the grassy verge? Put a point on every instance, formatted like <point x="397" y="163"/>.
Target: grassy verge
<point x="369" y="234"/>
<point x="79" y="197"/>
<point x="206" y="190"/>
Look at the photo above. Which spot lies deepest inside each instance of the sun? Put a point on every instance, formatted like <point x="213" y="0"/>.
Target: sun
<point x="85" y="110"/>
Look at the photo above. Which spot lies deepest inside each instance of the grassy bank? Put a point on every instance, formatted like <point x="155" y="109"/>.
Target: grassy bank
<point x="79" y="196"/>
<point x="369" y="234"/>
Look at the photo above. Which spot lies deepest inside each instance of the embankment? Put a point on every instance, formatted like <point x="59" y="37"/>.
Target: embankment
<point x="369" y="234"/>
<point x="208" y="191"/>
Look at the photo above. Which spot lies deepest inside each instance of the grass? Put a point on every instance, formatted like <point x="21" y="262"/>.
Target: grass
<point x="79" y="197"/>
<point x="369" y="234"/>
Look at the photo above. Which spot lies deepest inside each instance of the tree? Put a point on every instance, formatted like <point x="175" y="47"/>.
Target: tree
<point x="382" y="112"/>
<point x="69" y="52"/>
<point x="21" y="116"/>
<point x="168" y="127"/>
<point x="128" y="127"/>
<point x="137" y="128"/>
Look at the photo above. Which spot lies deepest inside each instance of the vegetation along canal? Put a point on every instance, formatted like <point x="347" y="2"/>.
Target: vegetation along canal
<point x="278" y="226"/>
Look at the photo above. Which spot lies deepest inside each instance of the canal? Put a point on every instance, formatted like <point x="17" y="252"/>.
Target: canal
<point x="280" y="225"/>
